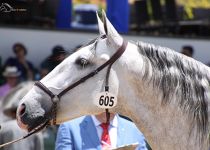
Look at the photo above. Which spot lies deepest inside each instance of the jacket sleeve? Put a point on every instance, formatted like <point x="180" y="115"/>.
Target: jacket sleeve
<point x="63" y="139"/>
<point x="139" y="136"/>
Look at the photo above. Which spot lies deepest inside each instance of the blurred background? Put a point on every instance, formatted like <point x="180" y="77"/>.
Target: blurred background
<point x="151" y="17"/>
<point x="36" y="35"/>
<point x="42" y="24"/>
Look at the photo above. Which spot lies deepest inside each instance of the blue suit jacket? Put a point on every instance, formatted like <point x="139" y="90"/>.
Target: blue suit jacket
<point x="80" y="134"/>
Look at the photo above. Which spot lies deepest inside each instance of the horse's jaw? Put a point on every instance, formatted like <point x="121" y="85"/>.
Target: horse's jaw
<point x="80" y="100"/>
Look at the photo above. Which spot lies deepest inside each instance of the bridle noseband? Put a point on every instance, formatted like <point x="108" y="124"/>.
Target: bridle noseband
<point x="56" y="98"/>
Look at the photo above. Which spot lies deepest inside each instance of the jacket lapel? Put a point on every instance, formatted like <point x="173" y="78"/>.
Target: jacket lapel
<point x="121" y="135"/>
<point x="90" y="132"/>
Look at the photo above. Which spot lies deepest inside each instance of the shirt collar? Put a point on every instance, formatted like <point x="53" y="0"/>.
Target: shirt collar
<point x="113" y="123"/>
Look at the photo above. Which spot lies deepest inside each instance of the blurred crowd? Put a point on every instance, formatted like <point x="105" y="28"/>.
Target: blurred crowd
<point x="17" y="76"/>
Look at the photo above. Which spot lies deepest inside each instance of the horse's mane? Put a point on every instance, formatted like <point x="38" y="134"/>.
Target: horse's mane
<point x="181" y="77"/>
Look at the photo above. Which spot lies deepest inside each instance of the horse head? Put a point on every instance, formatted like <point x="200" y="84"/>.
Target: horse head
<point x="36" y="107"/>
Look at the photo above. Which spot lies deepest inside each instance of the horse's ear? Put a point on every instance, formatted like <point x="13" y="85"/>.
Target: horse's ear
<point x="100" y="24"/>
<point x="113" y="36"/>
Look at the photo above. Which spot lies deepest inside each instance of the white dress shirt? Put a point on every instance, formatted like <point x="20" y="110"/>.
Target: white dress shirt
<point x="112" y="129"/>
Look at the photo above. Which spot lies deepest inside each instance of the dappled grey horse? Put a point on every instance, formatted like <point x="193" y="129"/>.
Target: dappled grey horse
<point x="165" y="93"/>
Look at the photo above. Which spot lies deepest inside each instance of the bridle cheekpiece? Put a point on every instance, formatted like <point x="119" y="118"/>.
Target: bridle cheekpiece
<point x="56" y="98"/>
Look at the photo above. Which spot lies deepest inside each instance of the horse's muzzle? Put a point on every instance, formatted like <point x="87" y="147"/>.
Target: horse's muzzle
<point x="28" y="121"/>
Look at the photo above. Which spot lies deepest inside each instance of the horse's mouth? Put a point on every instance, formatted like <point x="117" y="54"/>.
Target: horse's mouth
<point x="35" y="126"/>
<point x="21" y="124"/>
<point x="31" y="121"/>
<point x="38" y="127"/>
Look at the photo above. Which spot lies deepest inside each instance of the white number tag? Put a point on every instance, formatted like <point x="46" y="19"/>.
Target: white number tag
<point x="105" y="100"/>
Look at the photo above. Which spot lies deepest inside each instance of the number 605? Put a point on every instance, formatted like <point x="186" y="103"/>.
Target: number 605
<point x="106" y="101"/>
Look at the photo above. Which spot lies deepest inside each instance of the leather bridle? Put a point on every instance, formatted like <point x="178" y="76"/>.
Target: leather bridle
<point x="56" y="98"/>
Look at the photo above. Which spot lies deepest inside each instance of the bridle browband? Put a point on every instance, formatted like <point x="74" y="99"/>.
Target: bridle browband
<point x="56" y="98"/>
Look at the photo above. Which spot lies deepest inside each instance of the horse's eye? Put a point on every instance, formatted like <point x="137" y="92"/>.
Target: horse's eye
<point x="82" y="62"/>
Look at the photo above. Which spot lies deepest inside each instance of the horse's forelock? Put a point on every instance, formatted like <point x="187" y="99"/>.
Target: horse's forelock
<point x="180" y="77"/>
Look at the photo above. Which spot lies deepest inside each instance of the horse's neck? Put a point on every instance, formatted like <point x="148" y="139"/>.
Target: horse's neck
<point x="164" y="126"/>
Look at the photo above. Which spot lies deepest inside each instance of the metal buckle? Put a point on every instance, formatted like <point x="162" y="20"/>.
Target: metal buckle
<point x="55" y="99"/>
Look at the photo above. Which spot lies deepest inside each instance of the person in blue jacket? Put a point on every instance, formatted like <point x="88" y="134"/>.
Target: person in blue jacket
<point x="86" y="132"/>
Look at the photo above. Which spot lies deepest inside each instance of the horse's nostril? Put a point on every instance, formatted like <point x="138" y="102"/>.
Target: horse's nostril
<point x="22" y="109"/>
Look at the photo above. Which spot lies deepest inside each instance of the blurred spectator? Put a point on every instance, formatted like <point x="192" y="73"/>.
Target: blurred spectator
<point x="10" y="130"/>
<point x="11" y="75"/>
<point x="208" y="64"/>
<point x="49" y="135"/>
<point x="57" y="56"/>
<point x="1" y="77"/>
<point x="77" y="48"/>
<point x="24" y="66"/>
<point x="187" y="50"/>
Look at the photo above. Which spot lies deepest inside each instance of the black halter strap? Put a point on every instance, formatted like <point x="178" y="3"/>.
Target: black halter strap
<point x="56" y="98"/>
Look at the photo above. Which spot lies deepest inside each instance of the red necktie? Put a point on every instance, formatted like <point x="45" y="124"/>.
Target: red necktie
<point x="105" y="139"/>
